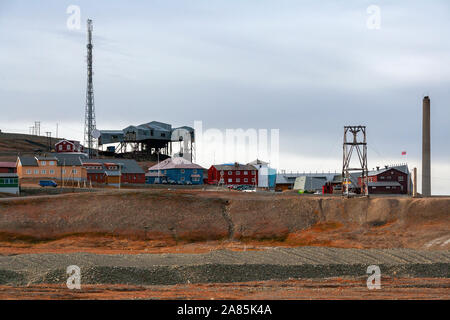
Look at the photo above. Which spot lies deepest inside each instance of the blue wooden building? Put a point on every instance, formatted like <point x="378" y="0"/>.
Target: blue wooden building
<point x="175" y="171"/>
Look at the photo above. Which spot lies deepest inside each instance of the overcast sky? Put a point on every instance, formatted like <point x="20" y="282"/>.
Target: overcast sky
<point x="306" y="68"/>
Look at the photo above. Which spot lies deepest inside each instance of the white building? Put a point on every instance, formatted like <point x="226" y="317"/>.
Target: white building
<point x="266" y="175"/>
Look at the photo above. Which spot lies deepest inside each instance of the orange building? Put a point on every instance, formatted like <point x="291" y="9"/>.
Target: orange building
<point x="67" y="167"/>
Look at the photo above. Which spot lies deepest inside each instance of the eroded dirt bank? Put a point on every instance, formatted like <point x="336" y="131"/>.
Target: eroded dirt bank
<point x="159" y="219"/>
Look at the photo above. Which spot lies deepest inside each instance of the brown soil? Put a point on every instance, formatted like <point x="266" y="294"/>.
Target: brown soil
<point x="333" y="288"/>
<point x="132" y="221"/>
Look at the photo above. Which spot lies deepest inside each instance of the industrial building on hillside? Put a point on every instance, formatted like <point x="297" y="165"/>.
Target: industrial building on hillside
<point x="149" y="138"/>
<point x="175" y="170"/>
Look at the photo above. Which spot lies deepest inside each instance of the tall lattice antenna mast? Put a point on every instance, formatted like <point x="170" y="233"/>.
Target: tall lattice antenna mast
<point x="89" y="119"/>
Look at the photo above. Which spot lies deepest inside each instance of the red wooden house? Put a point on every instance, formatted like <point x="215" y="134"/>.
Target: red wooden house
<point x="233" y="174"/>
<point x="387" y="181"/>
<point x="68" y="146"/>
<point x="127" y="171"/>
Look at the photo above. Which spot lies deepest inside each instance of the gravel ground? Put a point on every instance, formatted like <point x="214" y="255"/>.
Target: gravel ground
<point x="222" y="266"/>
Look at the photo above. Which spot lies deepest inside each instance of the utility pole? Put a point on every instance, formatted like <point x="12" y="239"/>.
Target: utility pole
<point x="89" y="121"/>
<point x="37" y="128"/>
<point x="49" y="140"/>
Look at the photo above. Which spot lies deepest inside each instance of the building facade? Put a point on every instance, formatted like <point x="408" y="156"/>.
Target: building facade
<point x="390" y="180"/>
<point x="266" y="175"/>
<point x="113" y="172"/>
<point x="233" y="174"/>
<point x="175" y="170"/>
<point x="9" y="183"/>
<point x="65" y="167"/>
<point x="68" y="146"/>
<point x="8" y="167"/>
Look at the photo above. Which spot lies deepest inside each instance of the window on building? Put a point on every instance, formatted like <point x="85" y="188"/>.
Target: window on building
<point x="400" y="178"/>
<point x="245" y="180"/>
<point x="60" y="147"/>
<point x="230" y="172"/>
<point x="182" y="170"/>
<point x="245" y="173"/>
<point x="253" y="172"/>
<point x="182" y="179"/>
<point x="36" y="171"/>
<point x="28" y="171"/>
<point x="238" y="180"/>
<point x="43" y="172"/>
<point x="43" y="163"/>
<point x="195" y="179"/>
<point x="382" y="178"/>
<point x="238" y="172"/>
<point x="64" y="171"/>
<point x="51" y="163"/>
<point x="230" y="180"/>
<point x="388" y="187"/>
<point x="74" y="171"/>
<point x="194" y="171"/>
<point x="253" y="180"/>
<point x="52" y="171"/>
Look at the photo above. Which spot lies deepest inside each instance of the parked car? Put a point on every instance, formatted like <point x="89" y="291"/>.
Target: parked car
<point x="47" y="183"/>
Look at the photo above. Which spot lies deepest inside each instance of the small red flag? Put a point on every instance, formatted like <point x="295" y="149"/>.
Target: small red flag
<point x="403" y="153"/>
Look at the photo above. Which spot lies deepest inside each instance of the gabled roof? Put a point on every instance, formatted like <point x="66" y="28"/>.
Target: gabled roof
<point x="161" y="126"/>
<point x="402" y="168"/>
<point x="46" y="158"/>
<point x="231" y="167"/>
<point x="126" y="165"/>
<point x="175" y="163"/>
<point x="257" y="161"/>
<point x="64" y="140"/>
<point x="7" y="164"/>
<point x="67" y="159"/>
<point x="70" y="159"/>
